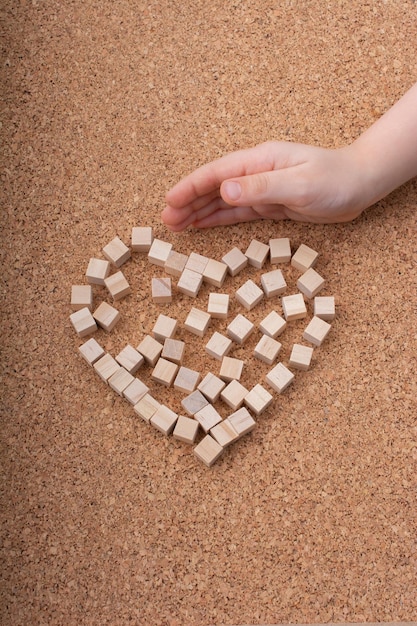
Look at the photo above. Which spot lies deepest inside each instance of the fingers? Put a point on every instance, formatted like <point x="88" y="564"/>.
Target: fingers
<point x="263" y="188"/>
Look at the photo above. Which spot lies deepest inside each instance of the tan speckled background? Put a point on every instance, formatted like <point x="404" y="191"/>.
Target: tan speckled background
<point x="312" y="517"/>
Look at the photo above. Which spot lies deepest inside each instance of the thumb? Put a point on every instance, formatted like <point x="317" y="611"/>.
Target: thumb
<point x="258" y="188"/>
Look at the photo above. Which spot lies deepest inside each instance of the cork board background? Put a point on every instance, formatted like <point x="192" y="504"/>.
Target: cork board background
<point x="312" y="517"/>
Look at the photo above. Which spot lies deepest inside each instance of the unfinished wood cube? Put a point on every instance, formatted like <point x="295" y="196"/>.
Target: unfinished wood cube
<point x="257" y="253"/>
<point x="117" y="286"/>
<point x="273" y="325"/>
<point x="215" y="273"/>
<point x="186" y="429"/>
<point x="173" y="350"/>
<point x="249" y="295"/>
<point x="208" y="417"/>
<point x="186" y="380"/>
<point x="194" y="402"/>
<point x="218" y="346"/>
<point x="273" y="283"/>
<point x="159" y="252"/>
<point x="294" y="307"/>
<point x="164" y="420"/>
<point x="267" y="349"/>
<point x="240" y="329"/>
<point x="208" y="451"/>
<point x="106" y="367"/>
<point x="146" y="407"/>
<point x="97" y="271"/>
<point x="235" y="260"/>
<point x="300" y="357"/>
<point x="280" y="377"/>
<point x="316" y="331"/>
<point x="324" y="307"/>
<point x="106" y="316"/>
<point x="211" y="386"/>
<point x="190" y="283"/>
<point x="197" y="322"/>
<point x="130" y="359"/>
<point x="224" y="433"/>
<point x="164" y="372"/>
<point x="218" y="305"/>
<point x="91" y="351"/>
<point x="165" y="328"/>
<point x="135" y="391"/>
<point x="116" y="252"/>
<point x="304" y="258"/>
<point x="142" y="238"/>
<point x="81" y="297"/>
<point x="280" y="250"/>
<point x="150" y="349"/>
<point x="258" y="399"/>
<point x="231" y="369"/>
<point x="161" y="290"/>
<point x="175" y="263"/>
<point x="196" y="263"/>
<point x="120" y="380"/>
<point x="83" y="322"/>
<point x="310" y="283"/>
<point x="242" y="421"/>
<point x="234" y="394"/>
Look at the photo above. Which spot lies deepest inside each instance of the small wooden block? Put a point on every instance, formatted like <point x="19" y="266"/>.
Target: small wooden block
<point x="106" y="367"/>
<point x="197" y="322"/>
<point x="208" y="451"/>
<point x="146" y="407"/>
<point x="130" y="359"/>
<point x="165" y="328"/>
<point x="215" y="273"/>
<point x="280" y="250"/>
<point x="142" y="238"/>
<point x="196" y="263"/>
<point x="240" y="329"/>
<point x="300" y="357"/>
<point x="161" y="290"/>
<point x="234" y="394"/>
<point x="272" y="325"/>
<point x="280" y="377"/>
<point x="235" y="260"/>
<point x="324" y="307"/>
<point x="316" y="331"/>
<point x="218" y="346"/>
<point x="258" y="399"/>
<point x="249" y="295"/>
<point x="135" y="391"/>
<point x="273" y="283"/>
<point x="242" y="421"/>
<point x="267" y="349"/>
<point x="186" y="429"/>
<point x="224" y="433"/>
<point x="304" y="258"/>
<point x="175" y="263"/>
<point x="173" y="350"/>
<point x="97" y="271"/>
<point x="218" y="305"/>
<point x="194" y="402"/>
<point x="120" y="380"/>
<point x="83" y="322"/>
<point x="117" y="286"/>
<point x="190" y="283"/>
<point x="257" y="253"/>
<point x="211" y="386"/>
<point x="81" y="297"/>
<point x="208" y="417"/>
<point x="150" y="349"/>
<point x="91" y="351"/>
<point x="116" y="252"/>
<point x="186" y="380"/>
<point x="231" y="369"/>
<point x="310" y="283"/>
<point x="164" y="420"/>
<point x="294" y="307"/>
<point x="159" y="252"/>
<point x="164" y="372"/>
<point x="106" y="316"/>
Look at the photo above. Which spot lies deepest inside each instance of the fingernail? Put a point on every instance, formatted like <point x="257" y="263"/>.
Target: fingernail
<point x="232" y="190"/>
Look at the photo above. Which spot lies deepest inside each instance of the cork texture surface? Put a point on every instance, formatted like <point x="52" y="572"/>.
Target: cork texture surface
<point x="312" y="516"/>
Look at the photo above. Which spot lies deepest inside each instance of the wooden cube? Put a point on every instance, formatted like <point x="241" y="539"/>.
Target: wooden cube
<point x="81" y="297"/>
<point x="135" y="391"/>
<point x="164" y="372"/>
<point x="280" y="377"/>
<point x="150" y="349"/>
<point x="194" y="402"/>
<point x="164" y="420"/>
<point x="211" y="386"/>
<point x="324" y="307"/>
<point x="272" y="325"/>
<point x="218" y="305"/>
<point x="208" y="451"/>
<point x="273" y="283"/>
<point x="116" y="252"/>
<point x="106" y="367"/>
<point x="117" y="286"/>
<point x="258" y="399"/>
<point x="91" y="351"/>
<point x="142" y="238"/>
<point x="130" y="359"/>
<point x="249" y="295"/>
<point x="83" y="322"/>
<point x="215" y="273"/>
<point x="97" y="271"/>
<point x="218" y="346"/>
<point x="231" y="369"/>
<point x="242" y="421"/>
<point x="208" y="417"/>
<point x="234" y="394"/>
<point x="196" y="263"/>
<point x="173" y="350"/>
<point x="159" y="252"/>
<point x="186" y="429"/>
<point x="175" y="263"/>
<point x="120" y="380"/>
<point x="224" y="433"/>
<point x="316" y="331"/>
<point x="240" y="329"/>
<point x="146" y="407"/>
<point x="310" y="283"/>
<point x="294" y="307"/>
<point x="190" y="283"/>
<point x="161" y="290"/>
<point x="280" y="250"/>
<point x="235" y="260"/>
<point x="186" y="380"/>
<point x="300" y="357"/>
<point x="267" y="349"/>
<point x="106" y="316"/>
<point x="197" y="322"/>
<point x="165" y="328"/>
<point x="304" y="258"/>
<point x="257" y="253"/>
